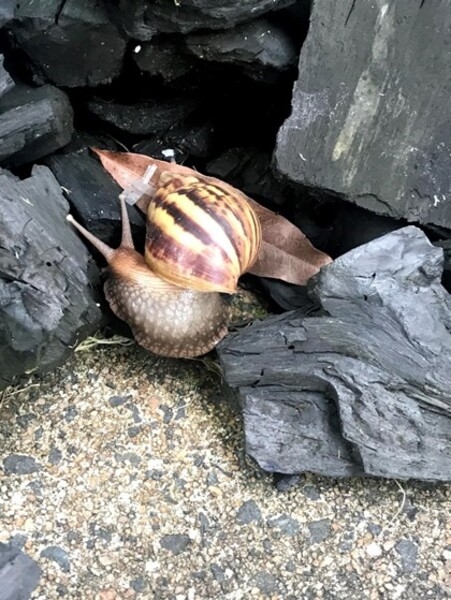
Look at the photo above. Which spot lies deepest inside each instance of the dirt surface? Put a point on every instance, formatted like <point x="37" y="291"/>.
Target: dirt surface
<point x="125" y="476"/>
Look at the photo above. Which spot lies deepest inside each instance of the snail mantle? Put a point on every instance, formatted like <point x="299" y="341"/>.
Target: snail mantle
<point x="362" y="387"/>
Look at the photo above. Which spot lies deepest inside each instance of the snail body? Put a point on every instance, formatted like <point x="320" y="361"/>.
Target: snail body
<point x="171" y="298"/>
<point x="165" y="319"/>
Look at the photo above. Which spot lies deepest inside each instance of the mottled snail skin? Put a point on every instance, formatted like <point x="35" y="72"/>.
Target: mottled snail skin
<point x="200" y="236"/>
<point x="164" y="318"/>
<point x="178" y="323"/>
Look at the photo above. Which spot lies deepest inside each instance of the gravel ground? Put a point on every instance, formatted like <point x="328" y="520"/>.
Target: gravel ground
<point x="124" y="476"/>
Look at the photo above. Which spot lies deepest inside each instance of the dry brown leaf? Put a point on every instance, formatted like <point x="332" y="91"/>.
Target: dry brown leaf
<point x="286" y="252"/>
<point x="277" y="263"/>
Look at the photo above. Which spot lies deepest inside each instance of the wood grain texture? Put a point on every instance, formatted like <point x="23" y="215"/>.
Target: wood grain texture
<point x="33" y="123"/>
<point x="364" y="385"/>
<point x="47" y="303"/>
<point x="369" y="118"/>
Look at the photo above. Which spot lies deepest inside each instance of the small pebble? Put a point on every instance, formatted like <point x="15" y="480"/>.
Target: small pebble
<point x="58" y="555"/>
<point x="408" y="552"/>
<point x="117" y="400"/>
<point x="248" y="512"/>
<point x="373" y="550"/>
<point x="286" y="524"/>
<point x="20" y="464"/>
<point x="319" y="530"/>
<point x="176" y="543"/>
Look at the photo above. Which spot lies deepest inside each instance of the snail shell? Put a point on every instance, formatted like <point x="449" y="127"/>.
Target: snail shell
<point x="200" y="236"/>
<point x="200" y="239"/>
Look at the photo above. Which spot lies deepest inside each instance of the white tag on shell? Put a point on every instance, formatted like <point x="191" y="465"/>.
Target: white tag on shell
<point x="169" y="153"/>
<point x="140" y="188"/>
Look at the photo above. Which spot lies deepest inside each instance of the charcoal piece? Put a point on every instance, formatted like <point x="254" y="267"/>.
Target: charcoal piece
<point x="193" y="139"/>
<point x="365" y="387"/>
<point x="446" y="280"/>
<point x="6" y="11"/>
<point x="69" y="43"/>
<point x="142" y="118"/>
<point x="369" y="118"/>
<point x="19" y="574"/>
<point x="164" y="58"/>
<point x="46" y="302"/>
<point x="186" y="139"/>
<point x="93" y="194"/>
<point x="353" y="226"/>
<point x="289" y="296"/>
<point x="158" y="147"/>
<point x="142" y="19"/>
<point x="294" y="19"/>
<point x="312" y="440"/>
<point x="260" y="48"/>
<point x="135" y="19"/>
<point x="6" y="81"/>
<point x="249" y="169"/>
<point x="33" y="123"/>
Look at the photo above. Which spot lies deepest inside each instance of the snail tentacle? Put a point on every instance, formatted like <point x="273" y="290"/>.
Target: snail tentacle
<point x="103" y="248"/>
<point x="126" y="239"/>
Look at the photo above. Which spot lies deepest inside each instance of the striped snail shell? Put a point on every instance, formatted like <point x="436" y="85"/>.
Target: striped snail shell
<point x="200" y="239"/>
<point x="199" y="235"/>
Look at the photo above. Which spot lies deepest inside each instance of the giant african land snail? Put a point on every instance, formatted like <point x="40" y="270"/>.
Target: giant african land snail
<point x="200" y="239"/>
